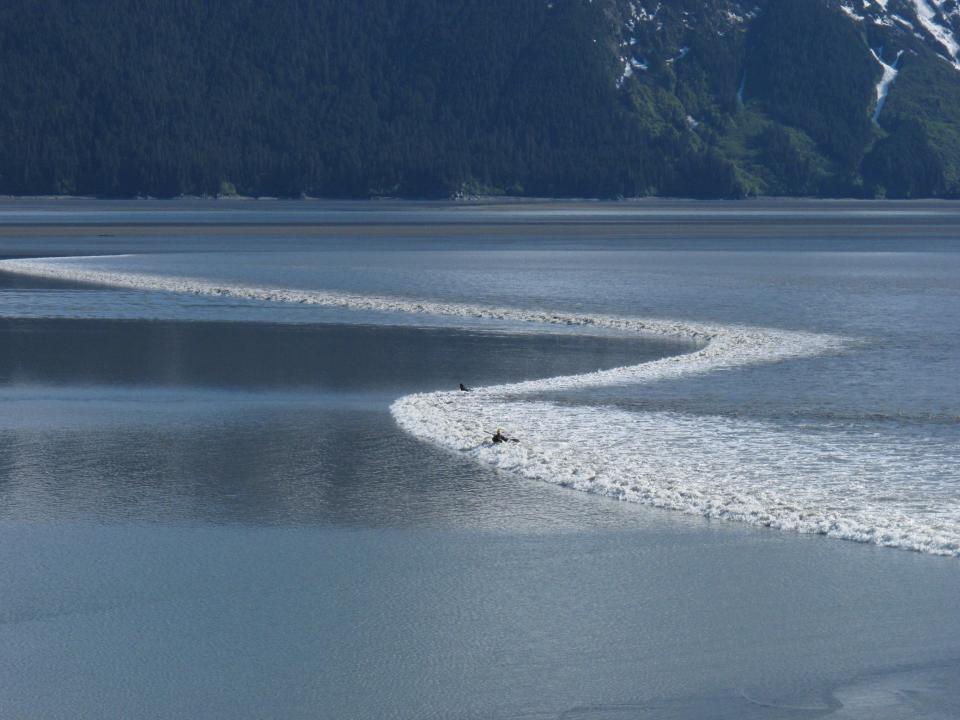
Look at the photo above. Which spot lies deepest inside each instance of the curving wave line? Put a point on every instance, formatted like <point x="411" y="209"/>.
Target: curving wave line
<point x="655" y="459"/>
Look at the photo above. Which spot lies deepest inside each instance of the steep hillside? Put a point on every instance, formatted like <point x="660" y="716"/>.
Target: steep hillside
<point x="704" y="98"/>
<point x="807" y="97"/>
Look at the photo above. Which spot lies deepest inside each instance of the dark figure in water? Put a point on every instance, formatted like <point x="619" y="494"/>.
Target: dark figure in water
<point x="499" y="437"/>
<point x="464" y="388"/>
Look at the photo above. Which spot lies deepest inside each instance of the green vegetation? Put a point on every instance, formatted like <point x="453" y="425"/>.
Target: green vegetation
<point x="925" y="105"/>
<point x="905" y="164"/>
<point x="379" y="97"/>
<point x="779" y="159"/>
<point x="461" y="97"/>
<point x="227" y="189"/>
<point x="809" y="67"/>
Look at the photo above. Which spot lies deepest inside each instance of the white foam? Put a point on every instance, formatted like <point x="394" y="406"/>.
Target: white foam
<point x="717" y="467"/>
<point x="740" y="341"/>
<point x="725" y="468"/>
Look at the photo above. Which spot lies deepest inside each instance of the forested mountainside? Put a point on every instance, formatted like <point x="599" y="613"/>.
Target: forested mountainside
<point x="594" y="98"/>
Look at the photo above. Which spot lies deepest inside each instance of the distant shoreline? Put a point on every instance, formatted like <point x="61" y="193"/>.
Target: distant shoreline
<point x="651" y="218"/>
<point x="482" y="199"/>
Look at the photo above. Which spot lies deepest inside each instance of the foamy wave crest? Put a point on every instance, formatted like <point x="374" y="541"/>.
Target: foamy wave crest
<point x="715" y="467"/>
<point x="704" y="466"/>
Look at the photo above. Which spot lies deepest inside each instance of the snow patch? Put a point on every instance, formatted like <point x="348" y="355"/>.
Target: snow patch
<point x="903" y="21"/>
<point x="849" y="11"/>
<point x="629" y="65"/>
<point x="928" y="14"/>
<point x="681" y="54"/>
<point x="639" y="14"/>
<point x="889" y="75"/>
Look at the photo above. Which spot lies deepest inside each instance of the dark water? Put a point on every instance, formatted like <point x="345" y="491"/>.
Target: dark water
<point x="247" y="422"/>
<point x="220" y="519"/>
<point x="318" y="358"/>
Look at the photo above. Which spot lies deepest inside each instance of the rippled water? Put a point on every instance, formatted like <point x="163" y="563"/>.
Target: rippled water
<point x="206" y="507"/>
<point x="860" y="442"/>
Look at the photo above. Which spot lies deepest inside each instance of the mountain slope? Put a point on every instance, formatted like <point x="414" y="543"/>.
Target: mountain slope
<point x="704" y="98"/>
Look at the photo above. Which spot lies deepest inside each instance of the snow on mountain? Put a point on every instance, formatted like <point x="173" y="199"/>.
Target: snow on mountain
<point x="650" y="30"/>
<point x="935" y="23"/>
<point x="889" y="75"/>
<point x="933" y="16"/>
<point x="653" y="29"/>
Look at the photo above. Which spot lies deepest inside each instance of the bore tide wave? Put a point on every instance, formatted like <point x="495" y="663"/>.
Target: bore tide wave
<point x="738" y="469"/>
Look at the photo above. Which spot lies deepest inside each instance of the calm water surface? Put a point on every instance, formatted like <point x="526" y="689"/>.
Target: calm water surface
<point x="206" y="509"/>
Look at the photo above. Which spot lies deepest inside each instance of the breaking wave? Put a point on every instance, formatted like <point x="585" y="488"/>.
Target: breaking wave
<point x="704" y="465"/>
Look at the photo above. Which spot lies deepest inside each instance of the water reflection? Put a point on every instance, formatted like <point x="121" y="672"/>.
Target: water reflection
<point x="220" y="422"/>
<point x="257" y="356"/>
